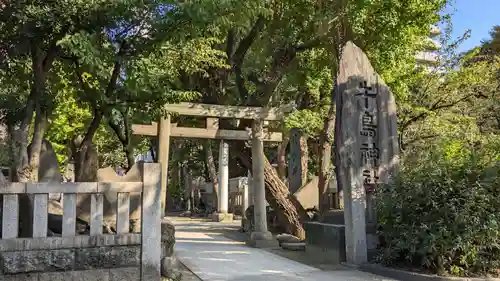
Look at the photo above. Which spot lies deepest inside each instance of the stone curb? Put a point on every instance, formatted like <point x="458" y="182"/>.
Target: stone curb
<point x="410" y="276"/>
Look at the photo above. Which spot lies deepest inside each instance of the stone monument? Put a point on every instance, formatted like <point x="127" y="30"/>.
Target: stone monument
<point x="297" y="177"/>
<point x="368" y="143"/>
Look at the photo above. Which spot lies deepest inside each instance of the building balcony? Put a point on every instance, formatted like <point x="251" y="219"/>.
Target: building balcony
<point x="435" y="31"/>
<point x="427" y="57"/>
<point x="432" y="45"/>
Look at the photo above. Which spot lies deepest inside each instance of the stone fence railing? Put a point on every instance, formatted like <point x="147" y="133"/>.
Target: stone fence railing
<point x="96" y="256"/>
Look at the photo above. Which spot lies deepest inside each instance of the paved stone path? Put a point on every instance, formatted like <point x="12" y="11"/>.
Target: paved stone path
<point x="213" y="257"/>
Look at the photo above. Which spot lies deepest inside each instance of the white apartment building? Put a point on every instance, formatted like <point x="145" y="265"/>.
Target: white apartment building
<point x="430" y="56"/>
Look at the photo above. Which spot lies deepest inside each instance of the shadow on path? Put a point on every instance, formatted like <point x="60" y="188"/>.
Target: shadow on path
<point x="217" y="252"/>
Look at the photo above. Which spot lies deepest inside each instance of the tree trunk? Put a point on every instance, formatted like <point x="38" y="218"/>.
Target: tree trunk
<point x="86" y="161"/>
<point x="128" y="149"/>
<point x="28" y="157"/>
<point x="129" y="152"/>
<point x="290" y="213"/>
<point x="282" y="146"/>
<point x="124" y="134"/>
<point x="212" y="172"/>
<point x="172" y="183"/>
<point x="338" y="133"/>
<point x="326" y="143"/>
<point x="152" y="149"/>
<point x="304" y="158"/>
<point x="85" y="154"/>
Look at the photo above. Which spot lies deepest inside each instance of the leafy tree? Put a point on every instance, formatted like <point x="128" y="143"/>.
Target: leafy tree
<point x="134" y="67"/>
<point x="31" y="33"/>
<point x="493" y="44"/>
<point x="264" y="46"/>
<point x="439" y="213"/>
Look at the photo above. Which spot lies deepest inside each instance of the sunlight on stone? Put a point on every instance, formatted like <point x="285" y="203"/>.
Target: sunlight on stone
<point x="271" y="271"/>
<point x="215" y="259"/>
<point x="225" y="252"/>
<point x="210" y="242"/>
<point x="192" y="235"/>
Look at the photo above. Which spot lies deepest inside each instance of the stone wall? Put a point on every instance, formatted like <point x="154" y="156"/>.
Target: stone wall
<point x="83" y="258"/>
<point x="71" y="258"/>
<point x="115" y="274"/>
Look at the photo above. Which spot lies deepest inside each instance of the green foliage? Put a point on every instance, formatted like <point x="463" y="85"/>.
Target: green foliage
<point x="493" y="44"/>
<point x="309" y="121"/>
<point x="69" y="118"/>
<point x="442" y="212"/>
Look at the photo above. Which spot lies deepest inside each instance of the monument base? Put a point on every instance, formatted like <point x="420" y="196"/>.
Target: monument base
<point x="262" y="240"/>
<point x="222" y="217"/>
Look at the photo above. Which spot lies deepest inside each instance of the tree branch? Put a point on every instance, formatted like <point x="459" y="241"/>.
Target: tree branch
<point x="116" y="69"/>
<point x="127" y="129"/>
<point x="246" y="43"/>
<point x="433" y="108"/>
<point x="308" y="45"/>
<point x="282" y="59"/>
<point x="404" y="145"/>
<point x="231" y="34"/>
<point x="240" y="53"/>
<point x="118" y="131"/>
<point x="89" y="93"/>
<point x="94" y="125"/>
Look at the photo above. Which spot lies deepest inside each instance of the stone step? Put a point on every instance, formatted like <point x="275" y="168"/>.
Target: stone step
<point x="301" y="246"/>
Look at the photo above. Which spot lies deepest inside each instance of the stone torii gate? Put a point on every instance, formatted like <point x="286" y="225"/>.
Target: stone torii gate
<point x="257" y="134"/>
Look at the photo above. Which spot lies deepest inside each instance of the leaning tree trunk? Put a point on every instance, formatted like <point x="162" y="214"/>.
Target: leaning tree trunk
<point x="290" y="213"/>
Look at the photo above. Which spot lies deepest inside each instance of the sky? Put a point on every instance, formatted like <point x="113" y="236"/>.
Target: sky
<point x="477" y="15"/>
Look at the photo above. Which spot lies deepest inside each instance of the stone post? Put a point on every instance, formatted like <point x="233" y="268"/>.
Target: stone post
<point x="261" y="237"/>
<point x="222" y="214"/>
<point x="223" y="177"/>
<point x="151" y="222"/>
<point x="163" y="149"/>
<point x="245" y="196"/>
<point x="187" y="188"/>
<point x="250" y="189"/>
<point x="245" y="200"/>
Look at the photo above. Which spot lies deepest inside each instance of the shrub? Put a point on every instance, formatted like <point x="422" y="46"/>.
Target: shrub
<point x="442" y="213"/>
